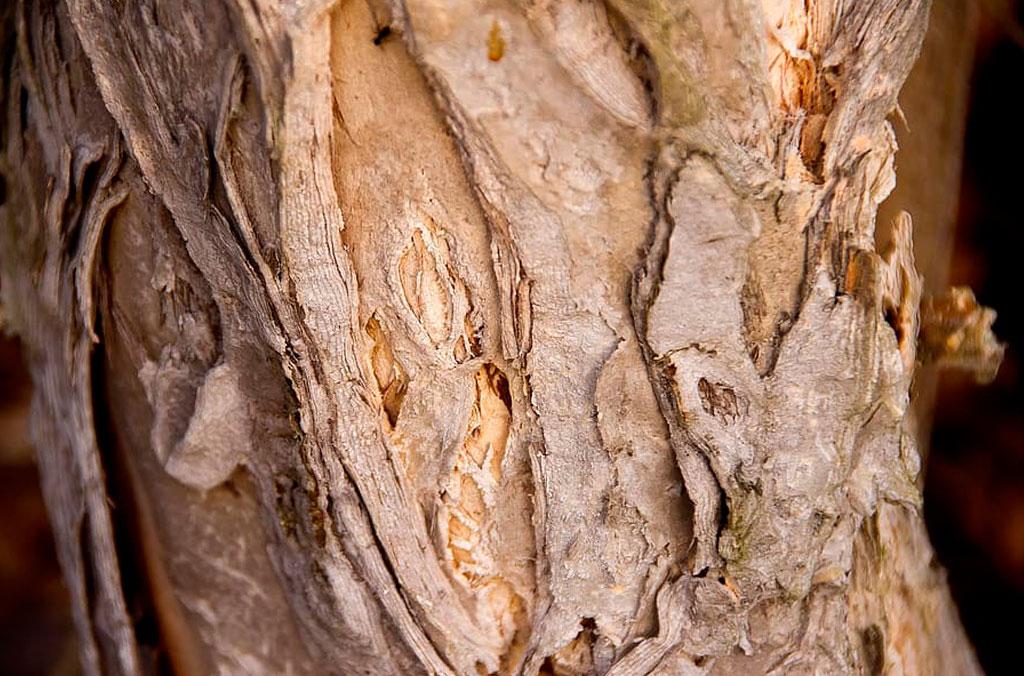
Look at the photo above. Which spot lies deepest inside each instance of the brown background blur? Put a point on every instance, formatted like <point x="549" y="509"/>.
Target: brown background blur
<point x="974" y="481"/>
<point x="974" y="486"/>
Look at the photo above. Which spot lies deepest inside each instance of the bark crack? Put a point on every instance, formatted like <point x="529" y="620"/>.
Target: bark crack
<point x="703" y="488"/>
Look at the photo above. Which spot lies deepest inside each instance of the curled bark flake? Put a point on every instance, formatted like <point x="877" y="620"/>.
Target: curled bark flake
<point x="219" y="432"/>
<point x="957" y="332"/>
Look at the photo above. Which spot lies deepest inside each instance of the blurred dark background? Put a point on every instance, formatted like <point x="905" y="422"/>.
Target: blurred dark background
<point x="36" y="631"/>
<point x="974" y="481"/>
<point x="974" y="485"/>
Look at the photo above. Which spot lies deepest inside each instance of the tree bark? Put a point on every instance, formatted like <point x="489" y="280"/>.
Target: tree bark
<point x="930" y="135"/>
<point x="423" y="337"/>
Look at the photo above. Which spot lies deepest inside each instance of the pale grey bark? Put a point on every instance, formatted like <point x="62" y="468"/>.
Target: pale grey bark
<point x="473" y="337"/>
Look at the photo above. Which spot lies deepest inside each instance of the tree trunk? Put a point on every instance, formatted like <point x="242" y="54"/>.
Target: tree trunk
<point x="472" y="337"/>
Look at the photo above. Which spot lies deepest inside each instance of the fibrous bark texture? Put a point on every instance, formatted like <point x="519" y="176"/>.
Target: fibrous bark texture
<point x="930" y="133"/>
<point x="473" y="337"/>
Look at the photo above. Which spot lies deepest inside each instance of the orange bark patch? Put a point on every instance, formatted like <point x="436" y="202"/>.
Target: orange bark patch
<point x="495" y="43"/>
<point x="471" y="501"/>
<point x="389" y="374"/>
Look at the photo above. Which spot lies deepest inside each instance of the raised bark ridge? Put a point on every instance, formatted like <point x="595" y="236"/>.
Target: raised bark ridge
<point x="546" y="338"/>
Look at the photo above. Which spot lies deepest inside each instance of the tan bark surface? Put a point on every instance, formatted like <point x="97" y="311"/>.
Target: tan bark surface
<point x="473" y="337"/>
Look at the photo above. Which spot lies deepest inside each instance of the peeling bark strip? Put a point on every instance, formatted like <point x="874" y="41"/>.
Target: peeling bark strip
<point x="549" y="338"/>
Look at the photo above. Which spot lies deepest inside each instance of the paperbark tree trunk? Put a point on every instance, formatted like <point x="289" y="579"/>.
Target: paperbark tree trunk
<point x="459" y="337"/>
